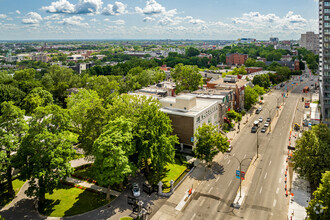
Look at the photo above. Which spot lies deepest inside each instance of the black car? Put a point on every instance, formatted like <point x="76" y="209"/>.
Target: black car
<point x="258" y="111"/>
<point x="268" y="119"/>
<point x="254" y="129"/>
<point x="263" y="130"/>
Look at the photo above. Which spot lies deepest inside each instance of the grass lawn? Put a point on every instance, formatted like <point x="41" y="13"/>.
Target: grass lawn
<point x="78" y="156"/>
<point x="68" y="201"/>
<point x="174" y="171"/>
<point x="126" y="218"/>
<point x="4" y="197"/>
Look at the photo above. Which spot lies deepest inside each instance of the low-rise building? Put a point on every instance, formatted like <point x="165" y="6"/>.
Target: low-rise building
<point x="187" y="113"/>
<point x="236" y="59"/>
<point x="76" y="57"/>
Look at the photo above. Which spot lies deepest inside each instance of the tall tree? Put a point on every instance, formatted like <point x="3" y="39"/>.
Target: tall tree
<point x="44" y="155"/>
<point x="312" y="155"/>
<point x="12" y="128"/>
<point x="186" y="77"/>
<point x="36" y="98"/>
<point x="250" y="97"/>
<point x="111" y="151"/>
<point x="209" y="142"/>
<point x="318" y="207"/>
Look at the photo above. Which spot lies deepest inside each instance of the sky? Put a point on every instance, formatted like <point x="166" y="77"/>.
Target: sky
<point x="156" y="19"/>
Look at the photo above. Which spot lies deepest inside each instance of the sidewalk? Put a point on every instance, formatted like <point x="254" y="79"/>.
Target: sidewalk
<point x="91" y="186"/>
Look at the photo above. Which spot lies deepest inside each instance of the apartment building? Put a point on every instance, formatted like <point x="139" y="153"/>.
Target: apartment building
<point x="310" y="41"/>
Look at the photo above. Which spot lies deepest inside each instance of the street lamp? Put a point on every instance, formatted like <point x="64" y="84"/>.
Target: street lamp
<point x="240" y="171"/>
<point x="257" y="144"/>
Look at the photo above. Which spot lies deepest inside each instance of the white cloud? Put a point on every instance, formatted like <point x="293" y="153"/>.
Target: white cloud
<point x="165" y="21"/>
<point x="93" y="20"/>
<point x="118" y="22"/>
<point x="53" y="17"/>
<point x="148" y="19"/>
<point x="82" y="7"/>
<point x="32" y="18"/>
<point x="18" y="12"/>
<point x="118" y="8"/>
<point x="3" y="16"/>
<point x="61" y="6"/>
<point x="196" y="21"/>
<point x="88" y="6"/>
<point x="152" y="7"/>
<point x="74" y="20"/>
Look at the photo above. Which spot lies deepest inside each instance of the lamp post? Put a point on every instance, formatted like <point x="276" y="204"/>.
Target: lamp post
<point x="240" y="171"/>
<point x="257" y="144"/>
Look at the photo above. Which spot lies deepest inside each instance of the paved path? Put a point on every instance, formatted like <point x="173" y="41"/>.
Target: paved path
<point x="92" y="186"/>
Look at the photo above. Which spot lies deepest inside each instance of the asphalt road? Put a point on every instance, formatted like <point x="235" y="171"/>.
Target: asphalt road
<point x="266" y="196"/>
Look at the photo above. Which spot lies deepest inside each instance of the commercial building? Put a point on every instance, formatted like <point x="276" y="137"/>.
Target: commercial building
<point x="187" y="113"/>
<point x="324" y="65"/>
<point x="310" y="41"/>
<point x="236" y="59"/>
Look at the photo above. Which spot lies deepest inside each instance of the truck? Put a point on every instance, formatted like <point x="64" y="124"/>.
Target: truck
<point x="306" y="89"/>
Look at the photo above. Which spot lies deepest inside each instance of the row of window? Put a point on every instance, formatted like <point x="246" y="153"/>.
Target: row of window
<point x="207" y="113"/>
<point x="326" y="3"/>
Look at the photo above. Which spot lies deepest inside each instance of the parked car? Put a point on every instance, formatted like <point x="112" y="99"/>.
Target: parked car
<point x="229" y="149"/>
<point x="256" y="123"/>
<point x="261" y="119"/>
<point x="266" y="124"/>
<point x="254" y="129"/>
<point x="263" y="130"/>
<point x="258" y="111"/>
<point x="136" y="190"/>
<point x="268" y="119"/>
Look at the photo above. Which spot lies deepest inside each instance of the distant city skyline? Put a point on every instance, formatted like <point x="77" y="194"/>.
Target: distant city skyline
<point x="156" y="19"/>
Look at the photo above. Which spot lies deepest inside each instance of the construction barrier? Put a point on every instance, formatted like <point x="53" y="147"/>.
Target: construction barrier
<point x="285" y="180"/>
<point x="286" y="173"/>
<point x="287" y="167"/>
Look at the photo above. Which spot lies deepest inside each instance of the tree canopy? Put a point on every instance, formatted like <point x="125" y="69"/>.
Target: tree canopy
<point x="186" y="77"/>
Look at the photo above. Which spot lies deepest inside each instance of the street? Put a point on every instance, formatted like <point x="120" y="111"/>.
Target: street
<point x="265" y="198"/>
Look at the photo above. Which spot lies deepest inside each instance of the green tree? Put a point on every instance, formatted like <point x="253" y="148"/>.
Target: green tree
<point x="12" y="128"/>
<point x="259" y="90"/>
<point x="233" y="115"/>
<point x="111" y="152"/>
<point x="250" y="62"/>
<point x="37" y="98"/>
<point x="186" y="78"/>
<point x="262" y="80"/>
<point x="44" y="155"/>
<point x="191" y="52"/>
<point x="318" y="207"/>
<point x="250" y="97"/>
<point x="209" y="142"/>
<point x="312" y="155"/>
<point x="79" y="103"/>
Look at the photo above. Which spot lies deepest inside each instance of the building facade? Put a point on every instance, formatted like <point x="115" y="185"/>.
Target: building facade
<point x="236" y="59"/>
<point x="324" y="65"/>
<point x="310" y="41"/>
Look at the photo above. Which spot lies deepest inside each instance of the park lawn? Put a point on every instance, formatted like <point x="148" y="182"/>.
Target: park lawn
<point x="173" y="172"/>
<point x="68" y="201"/>
<point x="4" y="197"/>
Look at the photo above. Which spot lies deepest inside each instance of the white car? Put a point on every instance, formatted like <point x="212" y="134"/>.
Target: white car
<point x="261" y="119"/>
<point x="256" y="123"/>
<point x="266" y="124"/>
<point x="136" y="190"/>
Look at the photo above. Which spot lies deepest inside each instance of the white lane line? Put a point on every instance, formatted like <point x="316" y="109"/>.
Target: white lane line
<point x="282" y="171"/>
<point x="284" y="162"/>
<point x="274" y="203"/>
<point x="193" y="217"/>
<point x="265" y="176"/>
<point x="260" y="190"/>
<point x="230" y="182"/>
<point x="200" y="204"/>
<point x="228" y="161"/>
<point x="277" y="190"/>
<point x="210" y="189"/>
<point x="280" y="180"/>
<point x="269" y="163"/>
<point x="217" y="179"/>
<point x="244" y="156"/>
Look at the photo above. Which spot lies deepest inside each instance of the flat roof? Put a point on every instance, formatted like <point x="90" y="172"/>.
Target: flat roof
<point x="201" y="105"/>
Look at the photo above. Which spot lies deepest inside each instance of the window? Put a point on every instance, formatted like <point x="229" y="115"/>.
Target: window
<point x="326" y="3"/>
<point x="198" y="119"/>
<point x="327" y="10"/>
<point x="327" y="18"/>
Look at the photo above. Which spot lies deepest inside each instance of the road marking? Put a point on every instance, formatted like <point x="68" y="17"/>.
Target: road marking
<point x="244" y="156"/>
<point x="282" y="171"/>
<point x="210" y="189"/>
<point x="269" y="163"/>
<point x="280" y="180"/>
<point x="260" y="190"/>
<point x="277" y="190"/>
<point x="202" y="202"/>
<point x="274" y="203"/>
<point x="284" y="162"/>
<point x="217" y="179"/>
<point x="230" y="182"/>
<point x="193" y="217"/>
<point x="234" y="154"/>
<point x="228" y="161"/>
<point x="265" y="176"/>
<point x="226" y="157"/>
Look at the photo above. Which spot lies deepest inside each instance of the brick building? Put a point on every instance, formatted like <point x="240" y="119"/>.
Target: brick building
<point x="236" y="59"/>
